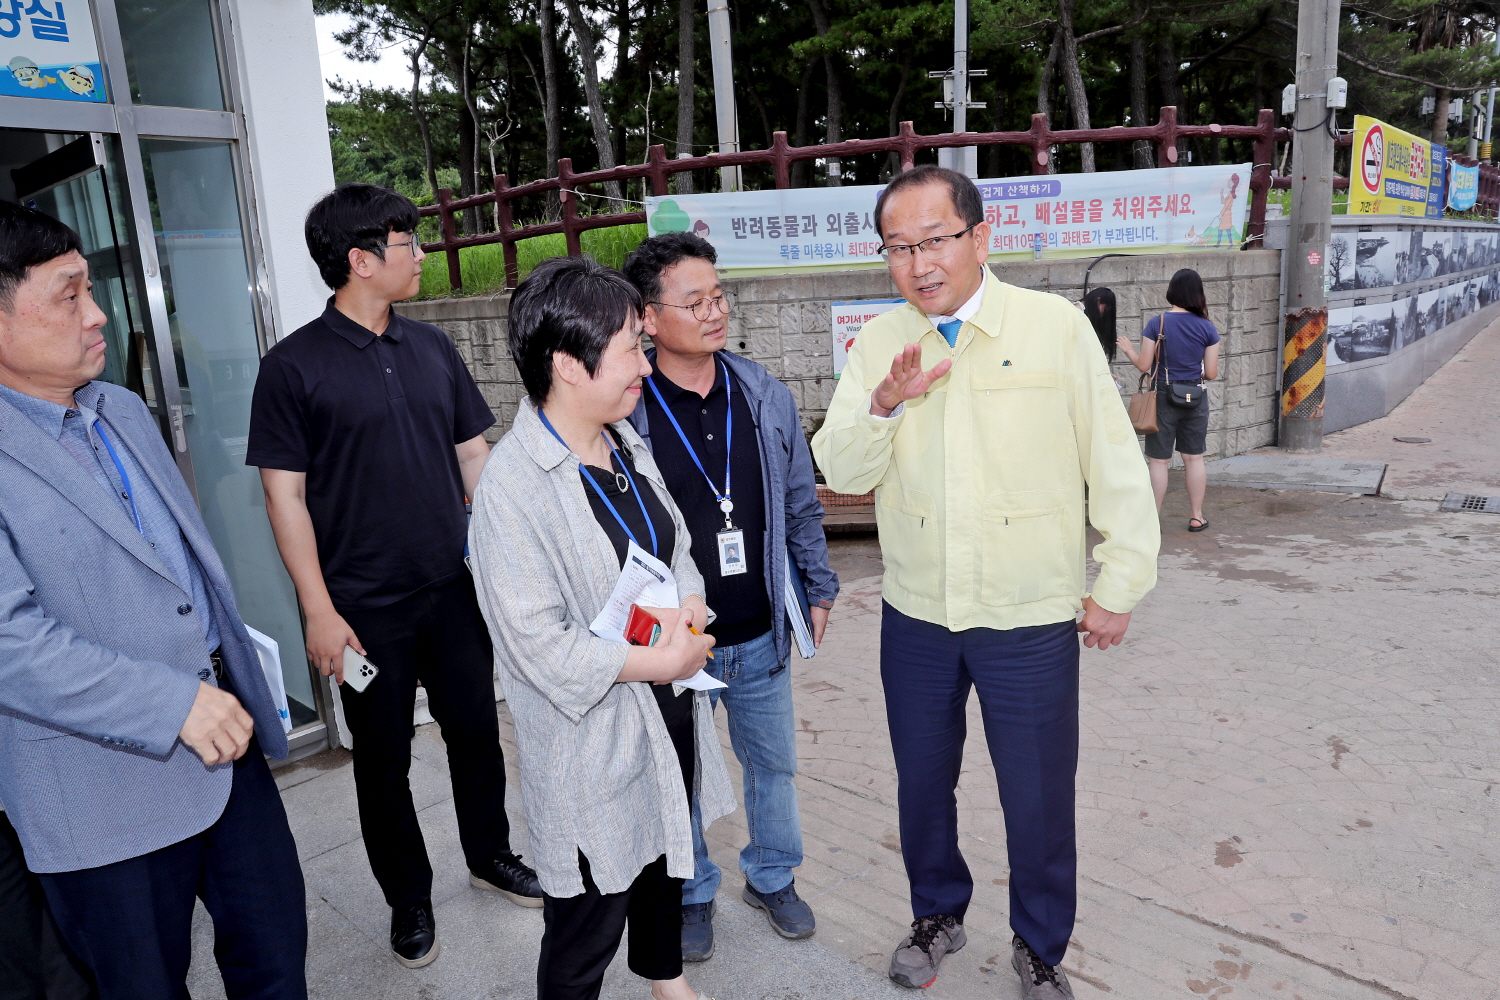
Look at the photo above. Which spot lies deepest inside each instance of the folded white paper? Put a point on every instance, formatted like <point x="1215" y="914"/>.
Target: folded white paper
<point x="644" y="580"/>
<point x="269" y="651"/>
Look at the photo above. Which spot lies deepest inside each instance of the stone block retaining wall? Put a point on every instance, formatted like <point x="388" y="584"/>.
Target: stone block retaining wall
<point x="783" y="320"/>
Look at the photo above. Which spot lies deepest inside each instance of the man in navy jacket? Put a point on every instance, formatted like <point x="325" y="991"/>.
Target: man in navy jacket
<point x="729" y="442"/>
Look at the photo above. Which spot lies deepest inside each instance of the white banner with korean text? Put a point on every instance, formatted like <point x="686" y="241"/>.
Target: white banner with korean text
<point x="1172" y="206"/>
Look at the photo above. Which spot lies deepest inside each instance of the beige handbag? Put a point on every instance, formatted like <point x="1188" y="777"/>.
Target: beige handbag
<point x="1143" y="404"/>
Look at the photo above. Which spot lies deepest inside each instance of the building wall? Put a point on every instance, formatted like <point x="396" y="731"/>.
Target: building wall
<point x="281" y="84"/>
<point x="783" y="321"/>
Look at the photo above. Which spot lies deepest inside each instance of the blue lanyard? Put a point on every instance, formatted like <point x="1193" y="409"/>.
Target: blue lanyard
<point x="588" y="478"/>
<point x="124" y="476"/>
<point x="726" y="504"/>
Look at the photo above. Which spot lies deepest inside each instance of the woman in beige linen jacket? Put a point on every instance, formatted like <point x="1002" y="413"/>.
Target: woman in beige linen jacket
<point x="600" y="777"/>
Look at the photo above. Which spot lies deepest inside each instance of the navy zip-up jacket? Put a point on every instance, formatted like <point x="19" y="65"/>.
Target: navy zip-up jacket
<point x="794" y="517"/>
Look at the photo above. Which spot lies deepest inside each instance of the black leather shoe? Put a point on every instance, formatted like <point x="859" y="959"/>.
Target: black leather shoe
<point x="509" y="877"/>
<point x="414" y="935"/>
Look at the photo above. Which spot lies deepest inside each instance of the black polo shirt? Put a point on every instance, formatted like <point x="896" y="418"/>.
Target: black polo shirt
<point x="373" y="421"/>
<point x="740" y="601"/>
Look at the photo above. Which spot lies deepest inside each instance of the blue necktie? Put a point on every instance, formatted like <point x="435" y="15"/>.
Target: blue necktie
<point x="949" y="330"/>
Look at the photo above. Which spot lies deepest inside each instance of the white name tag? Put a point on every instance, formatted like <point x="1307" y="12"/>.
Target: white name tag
<point x="732" y="553"/>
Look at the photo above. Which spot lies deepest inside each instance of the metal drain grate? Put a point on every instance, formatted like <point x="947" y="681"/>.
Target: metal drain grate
<point x="1471" y="503"/>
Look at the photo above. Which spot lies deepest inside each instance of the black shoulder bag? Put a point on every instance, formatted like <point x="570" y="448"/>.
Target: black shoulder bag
<point x="1184" y="395"/>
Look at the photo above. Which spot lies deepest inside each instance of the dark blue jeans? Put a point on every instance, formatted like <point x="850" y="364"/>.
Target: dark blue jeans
<point x="131" y="922"/>
<point x="1027" y="680"/>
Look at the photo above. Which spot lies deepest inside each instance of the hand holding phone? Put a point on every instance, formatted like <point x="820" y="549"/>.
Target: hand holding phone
<point x="358" y="671"/>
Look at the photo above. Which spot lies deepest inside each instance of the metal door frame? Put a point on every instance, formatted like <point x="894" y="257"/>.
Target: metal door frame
<point x="132" y="122"/>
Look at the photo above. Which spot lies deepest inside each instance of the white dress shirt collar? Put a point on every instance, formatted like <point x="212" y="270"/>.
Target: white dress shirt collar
<point x="967" y="311"/>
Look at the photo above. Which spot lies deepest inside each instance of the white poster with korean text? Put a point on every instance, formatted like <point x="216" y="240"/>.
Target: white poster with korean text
<point x="847" y="319"/>
<point x="47" y="50"/>
<point x="1172" y="206"/>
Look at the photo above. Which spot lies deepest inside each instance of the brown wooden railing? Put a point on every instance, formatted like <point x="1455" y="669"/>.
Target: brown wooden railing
<point x="1039" y="140"/>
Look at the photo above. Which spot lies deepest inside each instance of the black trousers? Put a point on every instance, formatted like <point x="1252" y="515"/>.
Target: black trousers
<point x="436" y="637"/>
<point x="35" y="964"/>
<point x="131" y="921"/>
<point x="582" y="933"/>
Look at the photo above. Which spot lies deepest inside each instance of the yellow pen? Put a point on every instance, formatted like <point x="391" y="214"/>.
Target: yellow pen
<point x="696" y="632"/>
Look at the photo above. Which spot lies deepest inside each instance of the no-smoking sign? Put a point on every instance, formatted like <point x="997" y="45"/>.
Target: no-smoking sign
<point x="1372" y="159"/>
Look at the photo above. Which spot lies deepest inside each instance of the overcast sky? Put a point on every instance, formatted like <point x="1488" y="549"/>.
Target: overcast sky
<point x="391" y="71"/>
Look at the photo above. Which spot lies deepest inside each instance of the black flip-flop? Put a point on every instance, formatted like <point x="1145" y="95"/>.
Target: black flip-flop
<point x="1200" y="527"/>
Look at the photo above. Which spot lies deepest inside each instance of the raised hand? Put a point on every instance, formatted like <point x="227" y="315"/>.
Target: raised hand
<point x="906" y="381"/>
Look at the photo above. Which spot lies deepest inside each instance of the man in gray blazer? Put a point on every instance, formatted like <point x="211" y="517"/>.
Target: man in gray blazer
<point x="133" y="710"/>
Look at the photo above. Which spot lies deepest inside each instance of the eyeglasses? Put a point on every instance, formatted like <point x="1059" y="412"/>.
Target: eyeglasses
<point x="405" y="243"/>
<point x="900" y="254"/>
<point x="703" y="310"/>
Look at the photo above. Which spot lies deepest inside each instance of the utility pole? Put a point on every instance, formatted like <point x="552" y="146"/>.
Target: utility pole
<point x="964" y="159"/>
<point x="1304" y="361"/>
<point x="1489" y="115"/>
<point x="724" y="107"/>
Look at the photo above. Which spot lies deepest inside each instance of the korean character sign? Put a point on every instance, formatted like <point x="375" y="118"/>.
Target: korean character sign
<point x="48" y="51"/>
<point x="1203" y="206"/>
<point x="847" y="320"/>
<point x="805" y="226"/>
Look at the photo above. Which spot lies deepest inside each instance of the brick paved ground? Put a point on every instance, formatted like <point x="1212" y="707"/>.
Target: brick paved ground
<point x="1288" y="784"/>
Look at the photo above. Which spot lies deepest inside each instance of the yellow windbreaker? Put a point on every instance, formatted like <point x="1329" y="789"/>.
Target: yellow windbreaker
<point x="980" y="484"/>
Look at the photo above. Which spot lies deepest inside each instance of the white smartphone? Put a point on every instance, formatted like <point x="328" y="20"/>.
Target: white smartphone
<point x="358" y="671"/>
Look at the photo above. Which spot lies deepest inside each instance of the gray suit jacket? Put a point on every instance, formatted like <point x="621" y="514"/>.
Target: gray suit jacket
<point x="99" y="664"/>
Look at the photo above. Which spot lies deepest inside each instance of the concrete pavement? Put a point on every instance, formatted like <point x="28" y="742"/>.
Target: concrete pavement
<point x="1287" y="787"/>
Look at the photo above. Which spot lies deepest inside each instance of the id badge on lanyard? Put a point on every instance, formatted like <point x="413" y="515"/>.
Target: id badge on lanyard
<point x="731" y="541"/>
<point x="732" y="552"/>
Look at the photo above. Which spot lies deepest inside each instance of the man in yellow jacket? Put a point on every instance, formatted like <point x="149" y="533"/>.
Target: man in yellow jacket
<point x="979" y="412"/>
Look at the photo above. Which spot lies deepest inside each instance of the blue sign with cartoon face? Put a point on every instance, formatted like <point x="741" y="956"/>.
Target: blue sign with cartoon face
<point x="48" y="51"/>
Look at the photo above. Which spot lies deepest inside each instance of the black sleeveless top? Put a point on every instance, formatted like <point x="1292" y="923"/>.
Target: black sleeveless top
<point x="676" y="709"/>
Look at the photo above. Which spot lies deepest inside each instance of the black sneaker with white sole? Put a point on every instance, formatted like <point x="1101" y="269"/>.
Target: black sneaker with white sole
<point x="414" y="939"/>
<point x="509" y="877"/>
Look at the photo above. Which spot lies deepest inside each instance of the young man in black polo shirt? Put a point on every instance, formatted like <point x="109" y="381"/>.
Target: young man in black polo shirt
<point x="368" y="431"/>
<point x="728" y="440"/>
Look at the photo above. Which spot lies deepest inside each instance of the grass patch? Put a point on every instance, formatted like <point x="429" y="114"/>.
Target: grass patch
<point x="484" y="267"/>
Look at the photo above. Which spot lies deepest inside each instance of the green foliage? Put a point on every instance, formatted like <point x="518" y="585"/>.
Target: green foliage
<point x="484" y="267"/>
<point x="1218" y="60"/>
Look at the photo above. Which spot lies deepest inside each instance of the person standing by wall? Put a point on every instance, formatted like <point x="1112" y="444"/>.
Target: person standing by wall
<point x="979" y="439"/>
<point x="1182" y="346"/>
<point x="368" y="431"/>
<point x="134" y="715"/>
<point x="729" y="442"/>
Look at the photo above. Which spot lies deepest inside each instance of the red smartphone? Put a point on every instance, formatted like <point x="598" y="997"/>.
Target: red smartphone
<point x="643" y="629"/>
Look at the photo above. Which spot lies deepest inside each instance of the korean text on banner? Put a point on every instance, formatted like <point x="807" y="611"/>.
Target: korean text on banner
<point x="847" y="319"/>
<point x="1395" y="172"/>
<point x="1172" y="206"/>
<point x="47" y="50"/>
<point x="1463" y="187"/>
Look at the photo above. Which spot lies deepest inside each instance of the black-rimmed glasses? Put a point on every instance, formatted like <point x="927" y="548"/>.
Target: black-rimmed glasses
<point x="901" y="254"/>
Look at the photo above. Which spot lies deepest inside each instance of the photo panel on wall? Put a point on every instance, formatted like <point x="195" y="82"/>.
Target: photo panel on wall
<point x="1375" y="259"/>
<point x="1359" y="333"/>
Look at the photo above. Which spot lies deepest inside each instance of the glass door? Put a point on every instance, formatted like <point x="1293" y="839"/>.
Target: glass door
<point x="76" y="181"/>
<point x="196" y="217"/>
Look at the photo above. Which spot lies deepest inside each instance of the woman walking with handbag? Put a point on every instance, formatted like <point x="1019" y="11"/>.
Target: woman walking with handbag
<point x="1180" y="350"/>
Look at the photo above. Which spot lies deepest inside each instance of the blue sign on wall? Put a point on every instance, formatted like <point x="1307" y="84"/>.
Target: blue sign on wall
<point x="48" y="51"/>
